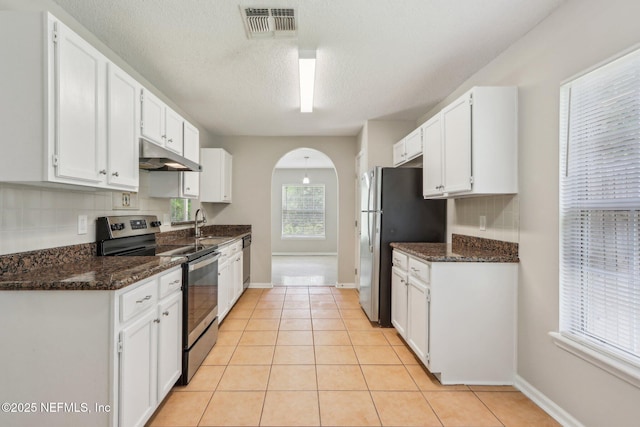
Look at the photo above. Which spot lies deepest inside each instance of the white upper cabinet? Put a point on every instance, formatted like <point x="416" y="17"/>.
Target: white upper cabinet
<point x="173" y="137"/>
<point x="67" y="114"/>
<point x="123" y="116"/>
<point x="478" y="148"/>
<point x="79" y="81"/>
<point x="160" y="124"/>
<point x="408" y="148"/>
<point x="432" y="178"/>
<point x="216" y="175"/>
<point x="399" y="153"/>
<point x="456" y="128"/>
<point x="152" y="126"/>
<point x="413" y="144"/>
<point x="191" y="180"/>
<point x="191" y="142"/>
<point x="180" y="184"/>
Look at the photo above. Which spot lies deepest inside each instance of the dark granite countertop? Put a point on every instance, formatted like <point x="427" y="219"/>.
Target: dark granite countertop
<point x="77" y="267"/>
<point x="95" y="273"/>
<point x="463" y="249"/>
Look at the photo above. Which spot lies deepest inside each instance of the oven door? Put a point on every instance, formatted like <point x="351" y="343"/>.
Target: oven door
<point x="201" y="295"/>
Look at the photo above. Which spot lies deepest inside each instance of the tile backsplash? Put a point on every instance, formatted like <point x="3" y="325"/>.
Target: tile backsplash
<point x="502" y="217"/>
<point x="34" y="217"/>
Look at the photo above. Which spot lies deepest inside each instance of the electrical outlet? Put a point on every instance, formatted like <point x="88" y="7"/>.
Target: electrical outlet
<point x="126" y="200"/>
<point x="483" y="222"/>
<point x="82" y="224"/>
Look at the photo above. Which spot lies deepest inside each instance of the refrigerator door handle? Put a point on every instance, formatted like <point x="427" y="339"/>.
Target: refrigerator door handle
<point x="369" y="229"/>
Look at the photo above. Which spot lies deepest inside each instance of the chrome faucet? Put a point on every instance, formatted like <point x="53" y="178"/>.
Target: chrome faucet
<point x="195" y="222"/>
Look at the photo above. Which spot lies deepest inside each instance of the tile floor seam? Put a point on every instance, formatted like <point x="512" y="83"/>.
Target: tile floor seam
<point x="488" y="408"/>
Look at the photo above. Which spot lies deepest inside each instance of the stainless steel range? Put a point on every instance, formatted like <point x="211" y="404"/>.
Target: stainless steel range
<point x="134" y="235"/>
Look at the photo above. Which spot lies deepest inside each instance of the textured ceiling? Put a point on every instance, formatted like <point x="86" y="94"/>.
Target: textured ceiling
<point x="296" y="160"/>
<point x="376" y="59"/>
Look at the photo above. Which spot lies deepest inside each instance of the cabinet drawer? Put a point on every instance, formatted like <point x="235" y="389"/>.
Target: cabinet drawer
<point x="138" y="300"/>
<point x="399" y="260"/>
<point x="420" y="270"/>
<point x="170" y="283"/>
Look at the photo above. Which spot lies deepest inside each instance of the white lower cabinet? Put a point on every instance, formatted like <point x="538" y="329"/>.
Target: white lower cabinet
<point x="230" y="286"/>
<point x="150" y="347"/>
<point x="116" y="352"/>
<point x="460" y="317"/>
<point x="138" y="361"/>
<point x="399" y="289"/>
<point x="417" y="332"/>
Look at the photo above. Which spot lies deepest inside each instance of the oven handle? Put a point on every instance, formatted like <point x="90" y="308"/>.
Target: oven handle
<point x="208" y="260"/>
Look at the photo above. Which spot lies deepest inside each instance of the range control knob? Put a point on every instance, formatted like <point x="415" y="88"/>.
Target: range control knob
<point x="156" y="223"/>
<point x="117" y="226"/>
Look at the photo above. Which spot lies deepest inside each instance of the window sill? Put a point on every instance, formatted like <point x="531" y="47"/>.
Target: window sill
<point x="621" y="369"/>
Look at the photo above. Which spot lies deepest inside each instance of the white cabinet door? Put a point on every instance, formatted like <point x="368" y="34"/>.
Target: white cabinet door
<point x="399" y="289"/>
<point x="123" y="118"/>
<point x="190" y="184"/>
<point x="173" y="128"/>
<point x="418" y="319"/>
<point x="153" y="115"/>
<point x="169" y="343"/>
<point x="191" y="142"/>
<point x="432" y="158"/>
<point x="399" y="155"/>
<point x="413" y="144"/>
<point x="237" y="275"/>
<point x="226" y="176"/>
<point x="79" y="91"/>
<point x="215" y="178"/>
<point x="224" y="286"/>
<point x="456" y="129"/>
<point x="138" y="371"/>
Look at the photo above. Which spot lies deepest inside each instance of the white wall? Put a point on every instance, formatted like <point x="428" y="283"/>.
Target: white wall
<point x="329" y="244"/>
<point x="580" y="34"/>
<point x="376" y="140"/>
<point x="254" y="158"/>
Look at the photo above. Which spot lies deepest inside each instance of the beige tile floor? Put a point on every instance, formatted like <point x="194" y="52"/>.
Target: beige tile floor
<point x="298" y="356"/>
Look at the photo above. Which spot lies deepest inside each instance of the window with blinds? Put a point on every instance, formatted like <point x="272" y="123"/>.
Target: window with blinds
<point x="303" y="211"/>
<point x="600" y="209"/>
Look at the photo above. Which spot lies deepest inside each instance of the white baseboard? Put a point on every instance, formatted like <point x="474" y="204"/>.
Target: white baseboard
<point x="548" y="405"/>
<point x="346" y="285"/>
<point x="254" y="285"/>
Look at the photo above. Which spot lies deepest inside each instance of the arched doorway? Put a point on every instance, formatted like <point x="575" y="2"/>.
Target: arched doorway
<point x="304" y="220"/>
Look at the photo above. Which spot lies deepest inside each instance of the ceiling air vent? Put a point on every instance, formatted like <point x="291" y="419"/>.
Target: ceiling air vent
<point x="268" y="23"/>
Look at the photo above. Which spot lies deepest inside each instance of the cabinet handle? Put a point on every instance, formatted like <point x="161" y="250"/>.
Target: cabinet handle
<point x="164" y="137"/>
<point x="170" y="140"/>
<point x="175" y="282"/>
<point x="103" y="172"/>
<point x="401" y="280"/>
<point x="148" y="297"/>
<point x="156" y="320"/>
<point x="165" y="313"/>
<point x="115" y="174"/>
<point x="188" y="188"/>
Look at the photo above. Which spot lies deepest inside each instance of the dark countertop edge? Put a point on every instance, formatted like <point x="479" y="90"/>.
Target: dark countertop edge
<point x="45" y="285"/>
<point x="447" y="255"/>
<point x="229" y="239"/>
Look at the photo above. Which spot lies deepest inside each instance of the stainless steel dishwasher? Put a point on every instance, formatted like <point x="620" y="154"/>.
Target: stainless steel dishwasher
<point x="246" y="261"/>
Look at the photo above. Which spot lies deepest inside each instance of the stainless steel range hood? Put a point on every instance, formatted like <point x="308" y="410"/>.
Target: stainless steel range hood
<point x="156" y="158"/>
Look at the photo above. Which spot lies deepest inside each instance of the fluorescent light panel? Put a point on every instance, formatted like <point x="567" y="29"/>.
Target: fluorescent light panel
<point x="307" y="65"/>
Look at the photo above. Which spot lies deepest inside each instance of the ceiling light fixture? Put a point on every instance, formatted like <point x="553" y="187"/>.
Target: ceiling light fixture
<point x="305" y="180"/>
<point x="307" y="66"/>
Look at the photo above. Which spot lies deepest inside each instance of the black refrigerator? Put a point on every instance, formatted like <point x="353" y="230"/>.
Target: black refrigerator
<point x="392" y="210"/>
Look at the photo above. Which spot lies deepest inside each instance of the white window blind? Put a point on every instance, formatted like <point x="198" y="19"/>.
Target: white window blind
<point x="600" y="209"/>
<point x="303" y="211"/>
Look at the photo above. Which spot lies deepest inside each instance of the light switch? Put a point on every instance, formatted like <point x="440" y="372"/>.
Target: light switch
<point x="82" y="224"/>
